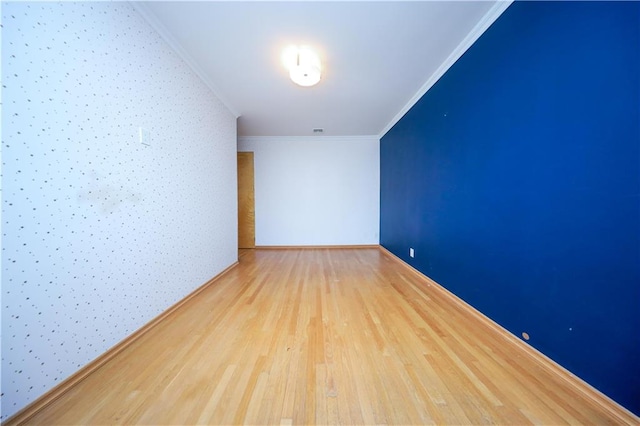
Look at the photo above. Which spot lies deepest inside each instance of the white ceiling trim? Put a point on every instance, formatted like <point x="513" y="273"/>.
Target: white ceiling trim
<point x="258" y="139"/>
<point x="151" y="19"/>
<point x="475" y="33"/>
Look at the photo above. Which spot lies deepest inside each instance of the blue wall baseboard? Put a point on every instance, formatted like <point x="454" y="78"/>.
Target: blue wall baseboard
<point x="516" y="179"/>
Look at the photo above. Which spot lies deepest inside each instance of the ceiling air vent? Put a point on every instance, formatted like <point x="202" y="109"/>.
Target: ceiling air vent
<point x="318" y="130"/>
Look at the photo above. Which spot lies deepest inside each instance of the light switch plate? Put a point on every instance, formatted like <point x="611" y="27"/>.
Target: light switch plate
<point x="145" y="136"/>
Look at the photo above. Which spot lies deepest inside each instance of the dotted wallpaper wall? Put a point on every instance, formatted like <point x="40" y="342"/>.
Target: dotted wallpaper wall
<point x="102" y="230"/>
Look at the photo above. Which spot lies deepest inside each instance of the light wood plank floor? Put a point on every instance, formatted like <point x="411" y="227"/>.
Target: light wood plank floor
<point x="321" y="336"/>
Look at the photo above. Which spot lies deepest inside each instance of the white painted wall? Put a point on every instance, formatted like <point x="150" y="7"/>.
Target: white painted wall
<point x="316" y="191"/>
<point x="102" y="233"/>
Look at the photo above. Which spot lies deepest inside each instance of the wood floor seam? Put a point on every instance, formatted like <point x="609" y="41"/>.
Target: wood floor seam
<point x="337" y="335"/>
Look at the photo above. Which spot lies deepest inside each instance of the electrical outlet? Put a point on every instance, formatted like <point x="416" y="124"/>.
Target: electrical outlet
<point x="411" y="252"/>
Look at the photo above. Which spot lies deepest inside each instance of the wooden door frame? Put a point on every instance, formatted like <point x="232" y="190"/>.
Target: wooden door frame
<point x="246" y="200"/>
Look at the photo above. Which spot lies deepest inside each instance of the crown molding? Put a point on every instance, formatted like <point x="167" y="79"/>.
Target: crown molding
<point x="263" y="139"/>
<point x="489" y="18"/>
<point x="165" y="34"/>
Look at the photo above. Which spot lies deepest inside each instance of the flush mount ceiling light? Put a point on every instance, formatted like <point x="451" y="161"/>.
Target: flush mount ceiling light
<point x="303" y="65"/>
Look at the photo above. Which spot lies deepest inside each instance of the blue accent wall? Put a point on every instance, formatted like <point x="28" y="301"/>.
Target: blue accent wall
<point x="516" y="179"/>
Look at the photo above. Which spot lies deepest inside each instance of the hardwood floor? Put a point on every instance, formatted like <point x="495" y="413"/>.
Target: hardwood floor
<point x="319" y="336"/>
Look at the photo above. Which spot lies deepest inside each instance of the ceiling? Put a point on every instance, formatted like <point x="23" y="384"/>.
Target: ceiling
<point x="378" y="58"/>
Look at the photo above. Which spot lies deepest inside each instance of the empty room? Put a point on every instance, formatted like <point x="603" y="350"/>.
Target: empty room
<point x="320" y="212"/>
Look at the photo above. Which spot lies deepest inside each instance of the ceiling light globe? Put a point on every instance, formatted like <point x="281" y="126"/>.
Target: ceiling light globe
<point x="305" y="76"/>
<point x="303" y="64"/>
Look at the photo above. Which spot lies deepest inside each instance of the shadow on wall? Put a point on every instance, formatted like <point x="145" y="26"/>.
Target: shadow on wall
<point x="105" y="196"/>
